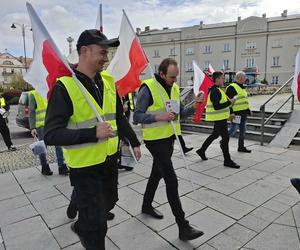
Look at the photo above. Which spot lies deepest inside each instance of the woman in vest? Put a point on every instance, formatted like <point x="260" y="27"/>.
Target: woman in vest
<point x="217" y="110"/>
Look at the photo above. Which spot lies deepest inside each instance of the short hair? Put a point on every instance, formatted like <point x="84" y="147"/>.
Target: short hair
<point x="239" y="75"/>
<point x="216" y="74"/>
<point x="163" y="67"/>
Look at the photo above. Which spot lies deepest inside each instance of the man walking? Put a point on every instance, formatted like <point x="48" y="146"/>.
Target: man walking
<point x="4" y="130"/>
<point x="90" y="146"/>
<point x="217" y="110"/>
<point x="159" y="138"/>
<point x="37" y="111"/>
<point x="240" y="108"/>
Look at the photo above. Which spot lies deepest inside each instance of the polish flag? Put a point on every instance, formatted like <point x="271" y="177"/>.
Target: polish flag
<point x="48" y="63"/>
<point x="201" y="83"/>
<point x="210" y="69"/>
<point x="129" y="61"/>
<point x="296" y="81"/>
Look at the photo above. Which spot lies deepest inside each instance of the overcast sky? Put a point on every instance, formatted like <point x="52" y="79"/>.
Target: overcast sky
<point x="65" y="18"/>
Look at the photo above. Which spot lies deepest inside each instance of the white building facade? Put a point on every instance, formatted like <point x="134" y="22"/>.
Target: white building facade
<point x="9" y="65"/>
<point x="268" y="44"/>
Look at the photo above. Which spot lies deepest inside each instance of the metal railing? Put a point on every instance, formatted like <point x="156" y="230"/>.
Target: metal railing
<point x="263" y="109"/>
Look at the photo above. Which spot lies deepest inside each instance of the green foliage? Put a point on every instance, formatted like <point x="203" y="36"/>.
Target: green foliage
<point x="16" y="81"/>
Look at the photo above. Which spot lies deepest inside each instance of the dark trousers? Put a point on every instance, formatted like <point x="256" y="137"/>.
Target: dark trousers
<point x="95" y="189"/>
<point x="163" y="168"/>
<point x="242" y="130"/>
<point x="5" y="132"/>
<point x="182" y="142"/>
<point x="220" y="129"/>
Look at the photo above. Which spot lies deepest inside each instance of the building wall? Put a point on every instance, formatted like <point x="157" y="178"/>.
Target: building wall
<point x="253" y="41"/>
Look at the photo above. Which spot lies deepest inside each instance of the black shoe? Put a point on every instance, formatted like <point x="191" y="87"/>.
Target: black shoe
<point x="110" y="216"/>
<point x="244" y="150"/>
<point x="12" y="148"/>
<point x="127" y="168"/>
<point x="186" y="150"/>
<point x="189" y="233"/>
<point x="201" y="153"/>
<point x="63" y="170"/>
<point x="46" y="170"/>
<point x="73" y="228"/>
<point x="72" y="210"/>
<point x="296" y="183"/>
<point x="152" y="212"/>
<point x="231" y="164"/>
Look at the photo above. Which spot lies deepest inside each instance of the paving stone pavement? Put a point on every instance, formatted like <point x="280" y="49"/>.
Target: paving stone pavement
<point x="253" y="208"/>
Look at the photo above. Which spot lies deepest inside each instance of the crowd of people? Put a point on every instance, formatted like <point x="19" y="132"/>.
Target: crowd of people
<point x="88" y="149"/>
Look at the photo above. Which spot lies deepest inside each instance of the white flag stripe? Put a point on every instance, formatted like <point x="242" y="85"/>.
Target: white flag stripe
<point x="119" y="68"/>
<point x="296" y="73"/>
<point x="198" y="78"/>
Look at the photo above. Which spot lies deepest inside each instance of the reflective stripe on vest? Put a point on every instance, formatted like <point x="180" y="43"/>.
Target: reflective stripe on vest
<point x="242" y="102"/>
<point x="40" y="111"/>
<point x="160" y="130"/>
<point x="2" y="102"/>
<point x="216" y="115"/>
<point x="131" y="103"/>
<point x="89" y="154"/>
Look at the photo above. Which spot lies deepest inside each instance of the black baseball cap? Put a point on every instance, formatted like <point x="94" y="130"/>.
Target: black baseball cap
<point x="94" y="36"/>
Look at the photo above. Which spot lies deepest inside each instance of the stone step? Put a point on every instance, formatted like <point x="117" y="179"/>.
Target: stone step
<point x="250" y="134"/>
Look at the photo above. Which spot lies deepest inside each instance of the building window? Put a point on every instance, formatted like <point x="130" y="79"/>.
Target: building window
<point x="250" y="62"/>
<point x="250" y="45"/>
<point x="189" y="67"/>
<point x="207" y="49"/>
<point x="190" y="51"/>
<point x="298" y="41"/>
<point x="172" y="52"/>
<point x="226" y="63"/>
<point x="276" y="43"/>
<point x="7" y="63"/>
<point x="275" y="61"/>
<point x="156" y="53"/>
<point x="275" y="79"/>
<point x="226" y="47"/>
<point x="156" y="68"/>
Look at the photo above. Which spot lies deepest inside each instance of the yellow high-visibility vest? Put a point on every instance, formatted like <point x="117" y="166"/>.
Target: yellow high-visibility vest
<point x="242" y="102"/>
<point x="160" y="130"/>
<point x="2" y="102"/>
<point x="131" y="103"/>
<point x="88" y="154"/>
<point x="217" y="115"/>
<point x="40" y="111"/>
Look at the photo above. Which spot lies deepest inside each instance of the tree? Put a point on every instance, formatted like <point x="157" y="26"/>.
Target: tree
<point x="16" y="81"/>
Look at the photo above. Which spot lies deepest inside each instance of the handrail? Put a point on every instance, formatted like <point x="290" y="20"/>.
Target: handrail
<point x="263" y="109"/>
<point x="276" y="92"/>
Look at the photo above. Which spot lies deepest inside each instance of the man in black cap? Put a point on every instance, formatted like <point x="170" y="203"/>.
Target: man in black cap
<point x="90" y="146"/>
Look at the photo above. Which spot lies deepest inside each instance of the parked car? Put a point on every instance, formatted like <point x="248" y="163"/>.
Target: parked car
<point x="22" y="118"/>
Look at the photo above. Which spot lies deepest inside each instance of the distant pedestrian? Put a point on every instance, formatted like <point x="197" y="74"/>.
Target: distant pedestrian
<point x="240" y="109"/>
<point x="4" y="130"/>
<point x="218" y="111"/>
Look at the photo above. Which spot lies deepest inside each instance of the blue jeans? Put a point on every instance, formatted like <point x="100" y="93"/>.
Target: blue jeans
<point x="242" y="128"/>
<point x="58" y="151"/>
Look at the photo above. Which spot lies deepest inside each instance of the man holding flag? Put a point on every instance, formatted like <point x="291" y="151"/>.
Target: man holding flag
<point x="90" y="146"/>
<point x="159" y="137"/>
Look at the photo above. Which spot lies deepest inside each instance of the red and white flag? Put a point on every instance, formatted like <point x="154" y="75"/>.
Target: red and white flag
<point x="210" y="69"/>
<point x="296" y="81"/>
<point x="129" y="61"/>
<point x="201" y="83"/>
<point x="48" y="63"/>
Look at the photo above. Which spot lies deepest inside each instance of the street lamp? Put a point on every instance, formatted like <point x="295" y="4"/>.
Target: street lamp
<point x="23" y="27"/>
<point x="70" y="40"/>
<point x="174" y="54"/>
